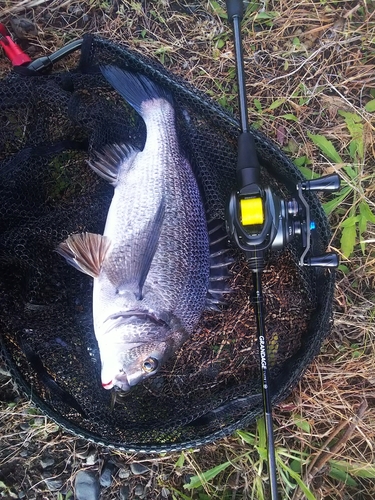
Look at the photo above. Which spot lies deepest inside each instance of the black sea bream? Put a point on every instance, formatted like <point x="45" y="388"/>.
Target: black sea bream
<point x="151" y="267"/>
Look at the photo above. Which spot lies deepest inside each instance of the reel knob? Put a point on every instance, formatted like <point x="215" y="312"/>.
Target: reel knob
<point x="330" y="260"/>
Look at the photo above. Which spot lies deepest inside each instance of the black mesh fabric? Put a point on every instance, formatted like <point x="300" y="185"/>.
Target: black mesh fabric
<point x="51" y="124"/>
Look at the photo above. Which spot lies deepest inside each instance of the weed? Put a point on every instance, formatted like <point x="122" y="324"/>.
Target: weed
<point x="351" y="203"/>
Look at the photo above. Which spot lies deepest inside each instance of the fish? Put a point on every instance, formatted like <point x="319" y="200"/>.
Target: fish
<point x="152" y="267"/>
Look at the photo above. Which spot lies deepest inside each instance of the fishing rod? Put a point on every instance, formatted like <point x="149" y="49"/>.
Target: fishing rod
<point x="258" y="221"/>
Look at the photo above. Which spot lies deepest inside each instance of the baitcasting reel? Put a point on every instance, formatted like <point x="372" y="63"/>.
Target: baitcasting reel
<point x="257" y="219"/>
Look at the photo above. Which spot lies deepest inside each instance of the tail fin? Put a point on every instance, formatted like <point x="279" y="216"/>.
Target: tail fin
<point x="134" y="87"/>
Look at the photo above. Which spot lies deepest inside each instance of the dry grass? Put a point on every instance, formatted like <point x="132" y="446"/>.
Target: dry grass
<point x="319" y="57"/>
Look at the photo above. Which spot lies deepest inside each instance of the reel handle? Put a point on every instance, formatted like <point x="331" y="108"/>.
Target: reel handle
<point x="326" y="183"/>
<point x="330" y="259"/>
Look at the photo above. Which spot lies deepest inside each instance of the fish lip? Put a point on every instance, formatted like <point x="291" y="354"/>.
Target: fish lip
<point x="121" y="382"/>
<point x="108" y="385"/>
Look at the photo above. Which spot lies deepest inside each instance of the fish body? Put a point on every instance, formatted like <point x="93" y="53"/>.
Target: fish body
<point x="151" y="267"/>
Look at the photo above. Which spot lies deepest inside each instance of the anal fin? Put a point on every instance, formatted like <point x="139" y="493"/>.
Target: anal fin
<point x="85" y="251"/>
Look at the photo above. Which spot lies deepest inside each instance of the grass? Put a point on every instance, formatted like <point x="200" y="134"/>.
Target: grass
<point x="310" y="80"/>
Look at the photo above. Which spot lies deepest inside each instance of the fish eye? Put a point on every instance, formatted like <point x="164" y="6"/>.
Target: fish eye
<point x="150" y="365"/>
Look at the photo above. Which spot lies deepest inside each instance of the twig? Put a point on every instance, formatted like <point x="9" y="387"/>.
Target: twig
<point x="320" y="459"/>
<point x="314" y="54"/>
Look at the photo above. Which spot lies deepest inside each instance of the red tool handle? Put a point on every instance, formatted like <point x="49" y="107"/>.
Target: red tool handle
<point x="16" y="55"/>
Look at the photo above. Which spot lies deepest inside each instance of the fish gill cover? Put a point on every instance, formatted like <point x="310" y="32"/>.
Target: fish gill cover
<point x="52" y="124"/>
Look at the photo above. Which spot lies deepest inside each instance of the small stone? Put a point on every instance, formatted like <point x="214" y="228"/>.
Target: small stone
<point x="139" y="490"/>
<point x="124" y="492"/>
<point x="87" y="486"/>
<point x="24" y="454"/>
<point x="23" y="27"/>
<point x="76" y="10"/>
<point x="187" y="478"/>
<point x="106" y="475"/>
<point x="138" y="469"/>
<point x="123" y="473"/>
<point x="38" y="421"/>
<point x="165" y="493"/>
<point x="47" y="462"/>
<point x="25" y="426"/>
<point x="53" y="483"/>
<point x="21" y="494"/>
<point x="91" y="458"/>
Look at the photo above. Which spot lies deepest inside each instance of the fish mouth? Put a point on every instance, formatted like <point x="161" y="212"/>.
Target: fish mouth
<point x="126" y="382"/>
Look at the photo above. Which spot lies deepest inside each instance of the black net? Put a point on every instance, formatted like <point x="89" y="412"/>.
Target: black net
<point x="211" y="386"/>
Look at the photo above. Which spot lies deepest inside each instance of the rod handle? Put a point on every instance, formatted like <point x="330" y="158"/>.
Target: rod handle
<point x="234" y="9"/>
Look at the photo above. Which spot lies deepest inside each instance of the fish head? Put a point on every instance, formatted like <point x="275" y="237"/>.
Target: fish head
<point x="136" y="364"/>
<point x="135" y="351"/>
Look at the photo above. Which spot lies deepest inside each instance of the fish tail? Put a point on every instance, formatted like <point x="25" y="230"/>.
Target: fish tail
<point x="135" y="88"/>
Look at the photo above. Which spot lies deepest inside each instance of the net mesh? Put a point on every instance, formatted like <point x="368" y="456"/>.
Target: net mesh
<point x="211" y="386"/>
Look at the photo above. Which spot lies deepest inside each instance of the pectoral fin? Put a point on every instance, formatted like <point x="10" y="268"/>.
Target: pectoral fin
<point x="108" y="162"/>
<point x="142" y="252"/>
<point x="85" y="252"/>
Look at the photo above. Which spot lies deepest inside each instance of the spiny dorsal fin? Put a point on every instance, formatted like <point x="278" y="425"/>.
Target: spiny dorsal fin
<point x="108" y="161"/>
<point x="85" y="252"/>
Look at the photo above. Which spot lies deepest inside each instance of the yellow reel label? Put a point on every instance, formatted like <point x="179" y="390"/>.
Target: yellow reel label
<point x="251" y="211"/>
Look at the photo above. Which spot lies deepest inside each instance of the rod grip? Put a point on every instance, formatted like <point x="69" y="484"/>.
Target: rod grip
<point x="248" y="168"/>
<point x="234" y="9"/>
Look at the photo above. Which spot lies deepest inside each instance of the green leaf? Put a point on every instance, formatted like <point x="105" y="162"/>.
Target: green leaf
<point x="307" y="173"/>
<point x="181" y="460"/>
<point x="266" y="16"/>
<point x="326" y="147"/>
<point x="298" y="480"/>
<point x="3" y="486"/>
<point x="296" y="466"/>
<point x="342" y="476"/>
<point x="261" y="433"/>
<point x="370" y="106"/>
<point x="348" y="239"/>
<point x="365" y="210"/>
<point x="350" y="221"/>
<point x="352" y="173"/>
<point x="356" y="469"/>
<point x="300" y="162"/>
<point x="276" y="104"/>
<point x="301" y="423"/>
<point x="331" y="205"/>
<point x="205" y="477"/>
<point x="355" y="127"/>
<point x="220" y="43"/>
<point x="247" y="437"/>
<point x="343" y="268"/>
<point x="218" y="9"/>
<point x="290" y="117"/>
<point x="258" y="104"/>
